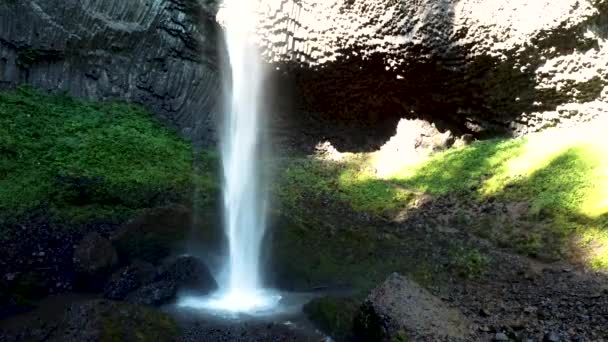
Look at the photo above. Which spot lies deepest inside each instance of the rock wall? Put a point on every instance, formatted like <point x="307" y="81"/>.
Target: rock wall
<point x="476" y="66"/>
<point x="159" y="53"/>
<point x="482" y="65"/>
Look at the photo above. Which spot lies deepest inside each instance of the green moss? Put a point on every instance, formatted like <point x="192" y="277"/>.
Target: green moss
<point x="334" y="316"/>
<point x="86" y="160"/>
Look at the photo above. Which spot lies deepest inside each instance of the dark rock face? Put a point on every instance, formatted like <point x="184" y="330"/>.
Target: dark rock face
<point x="94" y="257"/>
<point x="401" y="309"/>
<point x="482" y="66"/>
<point x="479" y="66"/>
<point x="162" y="54"/>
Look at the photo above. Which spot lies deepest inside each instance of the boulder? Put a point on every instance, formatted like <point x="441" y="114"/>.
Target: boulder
<point x="94" y="258"/>
<point x="129" y="279"/>
<point x="154" y="234"/>
<point x="157" y="293"/>
<point x="142" y="283"/>
<point x="103" y="320"/>
<point x="401" y="309"/>
<point x="189" y="273"/>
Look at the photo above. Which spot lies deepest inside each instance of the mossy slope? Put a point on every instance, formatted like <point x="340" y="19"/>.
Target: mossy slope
<point x="85" y="160"/>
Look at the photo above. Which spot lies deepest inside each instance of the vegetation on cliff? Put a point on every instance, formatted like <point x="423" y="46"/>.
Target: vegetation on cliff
<point x="84" y="160"/>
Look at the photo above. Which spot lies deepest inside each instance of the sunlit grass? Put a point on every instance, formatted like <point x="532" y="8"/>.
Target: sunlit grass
<point x="561" y="174"/>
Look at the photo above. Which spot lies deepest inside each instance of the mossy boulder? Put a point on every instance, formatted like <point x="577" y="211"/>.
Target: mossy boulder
<point x="154" y="234"/>
<point x="334" y="316"/>
<point x="106" y="321"/>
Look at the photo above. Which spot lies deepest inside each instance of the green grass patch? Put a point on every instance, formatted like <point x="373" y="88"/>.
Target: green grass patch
<point x="85" y="160"/>
<point x="468" y="262"/>
<point x="561" y="174"/>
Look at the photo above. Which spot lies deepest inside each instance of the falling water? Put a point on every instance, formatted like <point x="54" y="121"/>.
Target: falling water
<point x="244" y="197"/>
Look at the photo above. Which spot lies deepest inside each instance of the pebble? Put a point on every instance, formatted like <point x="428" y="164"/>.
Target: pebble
<point x="484" y="328"/>
<point x="551" y="337"/>
<point x="484" y="313"/>
<point x="501" y="337"/>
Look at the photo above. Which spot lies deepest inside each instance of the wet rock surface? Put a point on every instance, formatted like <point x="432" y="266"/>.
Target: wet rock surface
<point x="129" y="279"/>
<point x="145" y="284"/>
<point x="156" y="293"/>
<point x="189" y="273"/>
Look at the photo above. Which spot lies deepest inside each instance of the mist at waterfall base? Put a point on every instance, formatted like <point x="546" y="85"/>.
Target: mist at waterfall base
<point x="244" y="194"/>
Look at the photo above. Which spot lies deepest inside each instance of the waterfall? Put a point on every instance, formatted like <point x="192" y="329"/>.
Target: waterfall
<point x="244" y="198"/>
<point x="244" y="195"/>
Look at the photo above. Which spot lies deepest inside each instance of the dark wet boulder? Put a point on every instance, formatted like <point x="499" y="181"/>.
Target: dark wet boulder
<point x="94" y="258"/>
<point x="190" y="273"/>
<point x="142" y="283"/>
<point x="401" y="309"/>
<point x="182" y="273"/>
<point x="154" y="234"/>
<point x="129" y="279"/>
<point x="103" y="320"/>
<point x="156" y="293"/>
